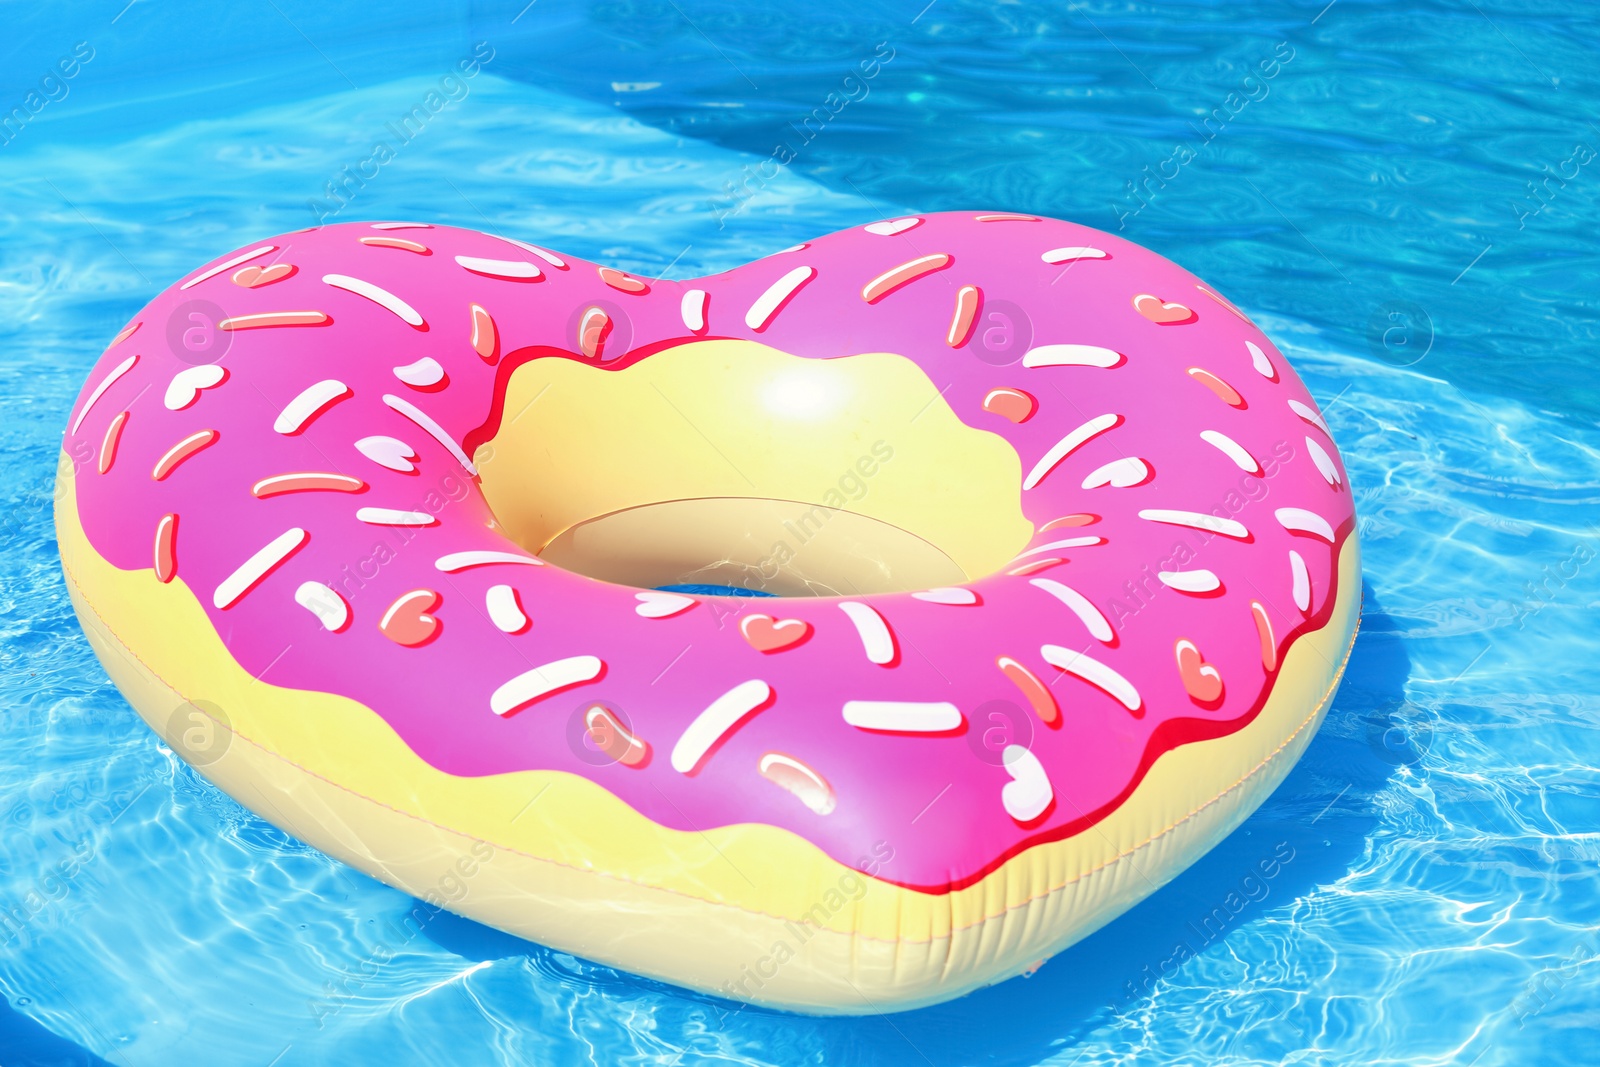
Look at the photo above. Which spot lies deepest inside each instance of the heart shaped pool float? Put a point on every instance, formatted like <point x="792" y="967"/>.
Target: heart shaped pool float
<point x="421" y="542"/>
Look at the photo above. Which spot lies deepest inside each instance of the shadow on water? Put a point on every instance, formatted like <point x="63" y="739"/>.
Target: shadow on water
<point x="26" y="1043"/>
<point x="1305" y="835"/>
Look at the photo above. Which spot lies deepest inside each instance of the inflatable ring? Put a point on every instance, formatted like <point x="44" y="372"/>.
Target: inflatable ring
<point x="395" y="532"/>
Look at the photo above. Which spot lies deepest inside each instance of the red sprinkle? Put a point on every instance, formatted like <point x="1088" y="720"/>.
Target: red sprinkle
<point x="108" y="447"/>
<point x="166" y="549"/>
<point x="1225" y="392"/>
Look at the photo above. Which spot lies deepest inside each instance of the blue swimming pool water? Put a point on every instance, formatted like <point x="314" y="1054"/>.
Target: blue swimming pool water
<point x="1401" y="198"/>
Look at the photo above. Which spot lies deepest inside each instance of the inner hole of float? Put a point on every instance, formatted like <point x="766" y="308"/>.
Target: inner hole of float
<point x="729" y="468"/>
<point x="752" y="545"/>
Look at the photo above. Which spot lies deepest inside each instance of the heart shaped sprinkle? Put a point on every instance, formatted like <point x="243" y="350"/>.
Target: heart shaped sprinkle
<point x="767" y="634"/>
<point x="1028" y="793"/>
<point x="1119" y="474"/>
<point x="663" y="605"/>
<point x="388" y="452"/>
<point x="184" y="389"/>
<point x="407" y="621"/>
<point x="890" y="227"/>
<point x="1200" y="678"/>
<point x="1162" y="314"/>
<point x="253" y="277"/>
<point x="425" y="373"/>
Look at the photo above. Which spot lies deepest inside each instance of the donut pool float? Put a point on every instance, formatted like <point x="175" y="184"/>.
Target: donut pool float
<point x="423" y="544"/>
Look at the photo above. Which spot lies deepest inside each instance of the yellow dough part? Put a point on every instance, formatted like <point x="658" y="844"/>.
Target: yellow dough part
<point x="797" y="476"/>
<point x="747" y="911"/>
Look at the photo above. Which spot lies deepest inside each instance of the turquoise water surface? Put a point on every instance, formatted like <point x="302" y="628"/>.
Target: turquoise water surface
<point x="1407" y="201"/>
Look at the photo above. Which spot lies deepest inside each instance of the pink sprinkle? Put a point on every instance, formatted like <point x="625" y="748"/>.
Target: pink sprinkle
<point x="397" y="242"/>
<point x="305" y="482"/>
<point x="622" y="283"/>
<point x="108" y="447"/>
<point x="181" y="451"/>
<point x="166" y="548"/>
<point x="910" y="271"/>
<point x="125" y="333"/>
<point x="592" y="330"/>
<point x="274" y="318"/>
<point x="965" y="316"/>
<point x="485" y="337"/>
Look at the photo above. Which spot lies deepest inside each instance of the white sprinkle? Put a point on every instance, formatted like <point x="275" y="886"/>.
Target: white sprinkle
<point x="779" y="291"/>
<point x="309" y="404"/>
<point x="421" y="374"/>
<point x="1211" y="523"/>
<point x="500" y="268"/>
<point x="1057" y="546"/>
<point x="1310" y="415"/>
<point x="1071" y="356"/>
<point x="693" y="309"/>
<point x="903" y="716"/>
<point x="875" y="636"/>
<point x="1324" y="462"/>
<point x="1071" y="252"/>
<point x="905" y="273"/>
<point x="234" y="262"/>
<point x="1199" y="581"/>
<point x="810" y="788"/>
<point x="722" y="715"/>
<point x="382" y="297"/>
<point x="388" y="452"/>
<point x="402" y="225"/>
<point x="544" y="254"/>
<point x="460" y="561"/>
<point x="504" y="609"/>
<point x="1099" y="628"/>
<point x="184" y="389"/>
<point x="1232" y="449"/>
<point x="105" y="383"/>
<point x="1028" y="793"/>
<point x="431" y="428"/>
<point x="1262" y="364"/>
<point x="542" y="681"/>
<point x="326" y="604"/>
<point x="1119" y="474"/>
<point x="1302" y="581"/>
<point x="948" y="595"/>
<point x="1094" y="672"/>
<point x="892" y="226"/>
<point x="656" y="605"/>
<point x="1299" y="520"/>
<point x="394" y="517"/>
<point x="258" y="566"/>
<point x="1064" y="447"/>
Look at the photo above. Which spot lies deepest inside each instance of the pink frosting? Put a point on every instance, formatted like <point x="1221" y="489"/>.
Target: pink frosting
<point x="1182" y="441"/>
